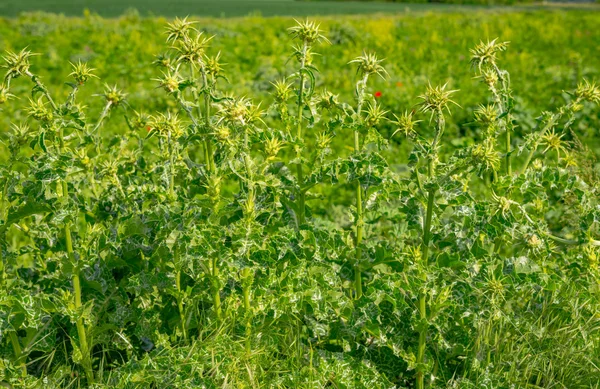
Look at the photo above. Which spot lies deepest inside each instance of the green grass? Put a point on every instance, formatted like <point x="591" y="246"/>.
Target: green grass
<point x="222" y="8"/>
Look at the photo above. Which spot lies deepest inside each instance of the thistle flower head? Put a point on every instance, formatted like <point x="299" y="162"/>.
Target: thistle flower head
<point x="113" y="95"/>
<point x="238" y="111"/>
<point x="327" y="100"/>
<point x="17" y="63"/>
<point x="213" y="66"/>
<point x="375" y="115"/>
<point x="485" y="53"/>
<point x="40" y="111"/>
<point x="5" y="95"/>
<point x="163" y="61"/>
<point x="588" y="91"/>
<point x="436" y="99"/>
<point x="405" y="123"/>
<point x="502" y="204"/>
<point x="486" y="115"/>
<point x="323" y="140"/>
<point x="140" y="120"/>
<point x="179" y="29"/>
<point x="168" y="124"/>
<point x="553" y="141"/>
<point x="272" y="147"/>
<point x="81" y="72"/>
<point x="307" y="32"/>
<point x="223" y="134"/>
<point x="170" y="81"/>
<point x="192" y="50"/>
<point x="283" y="90"/>
<point x="19" y="130"/>
<point x="485" y="156"/>
<point x="368" y="64"/>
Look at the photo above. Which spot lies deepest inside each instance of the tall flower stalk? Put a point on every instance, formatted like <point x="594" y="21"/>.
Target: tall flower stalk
<point x="307" y="33"/>
<point x="367" y="65"/>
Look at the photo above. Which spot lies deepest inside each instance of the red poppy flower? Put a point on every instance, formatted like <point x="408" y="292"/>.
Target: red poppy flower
<point x="399" y="84"/>
<point x="148" y="128"/>
<point x="377" y="94"/>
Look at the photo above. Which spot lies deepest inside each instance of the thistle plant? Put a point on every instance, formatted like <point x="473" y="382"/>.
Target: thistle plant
<point x="307" y="34"/>
<point x="180" y="251"/>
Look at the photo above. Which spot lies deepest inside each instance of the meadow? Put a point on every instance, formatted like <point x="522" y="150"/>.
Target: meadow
<point x="382" y="201"/>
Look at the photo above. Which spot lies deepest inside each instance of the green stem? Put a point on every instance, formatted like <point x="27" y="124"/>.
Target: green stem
<point x="81" y="332"/>
<point x="359" y="204"/>
<point x="209" y="147"/>
<point x="171" y="168"/>
<point x="299" y="172"/>
<point x="180" y="303"/>
<point x="216" y="289"/>
<point x="508" y="150"/>
<point x="16" y="345"/>
<point x="247" y="283"/>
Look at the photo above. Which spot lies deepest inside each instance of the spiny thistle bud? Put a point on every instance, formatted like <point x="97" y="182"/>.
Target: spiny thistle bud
<point x="435" y="100"/>
<point x="537" y="165"/>
<point x="113" y="95"/>
<point x="486" y="156"/>
<point x="283" y="90"/>
<point x="170" y="81"/>
<point x="39" y="111"/>
<point x="375" y="115"/>
<point x="327" y="100"/>
<point x="223" y="133"/>
<point x="17" y="63"/>
<point x="405" y="123"/>
<point x="368" y="64"/>
<point x="163" y="61"/>
<point x="213" y="186"/>
<point x="553" y="141"/>
<point x="193" y="50"/>
<point x="502" y="204"/>
<point x="140" y="120"/>
<point x="4" y="94"/>
<point x="323" y="140"/>
<point x="592" y="255"/>
<point x="213" y="66"/>
<point x="534" y="242"/>
<point x="485" y="53"/>
<point x="490" y="78"/>
<point x="167" y="124"/>
<point x="272" y="148"/>
<point x="486" y="115"/>
<point x="179" y="29"/>
<point x="495" y="286"/>
<point x="81" y="72"/>
<point x="588" y="91"/>
<point x="308" y="32"/>
<point x="239" y="111"/>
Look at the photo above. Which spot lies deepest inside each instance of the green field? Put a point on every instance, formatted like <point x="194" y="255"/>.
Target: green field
<point x="387" y="201"/>
<point x="222" y="8"/>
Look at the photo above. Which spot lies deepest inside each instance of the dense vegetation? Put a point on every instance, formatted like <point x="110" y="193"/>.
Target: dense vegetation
<point x="231" y="8"/>
<point x="367" y="225"/>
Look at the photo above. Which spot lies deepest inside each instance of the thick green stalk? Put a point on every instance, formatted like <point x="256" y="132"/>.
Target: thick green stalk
<point x="75" y="279"/>
<point x="180" y="304"/>
<point x="216" y="290"/>
<point x="423" y="328"/>
<point x="209" y="148"/>
<point x="299" y="172"/>
<point x="508" y="150"/>
<point x="171" y="167"/>
<point x="422" y="297"/>
<point x="359" y="204"/>
<point x="246" y="276"/>
<point x="17" y="350"/>
<point x="81" y="332"/>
